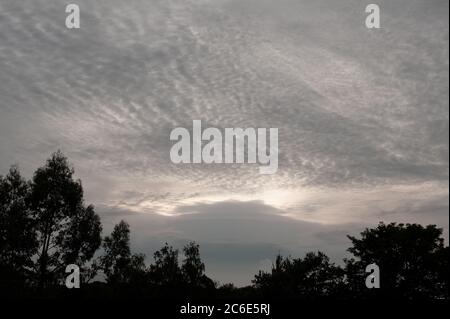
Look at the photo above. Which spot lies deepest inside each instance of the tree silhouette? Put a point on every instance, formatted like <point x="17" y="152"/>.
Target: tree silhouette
<point x="18" y="240"/>
<point x="118" y="264"/>
<point x="193" y="268"/>
<point x="411" y="258"/>
<point x="67" y="231"/>
<point x="166" y="271"/>
<point x="311" y="277"/>
<point x="82" y="239"/>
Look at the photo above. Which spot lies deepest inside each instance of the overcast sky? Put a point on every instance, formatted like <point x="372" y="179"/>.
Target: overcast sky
<point x="363" y="117"/>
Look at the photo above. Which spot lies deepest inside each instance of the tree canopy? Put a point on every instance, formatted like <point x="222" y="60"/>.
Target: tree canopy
<point x="411" y="257"/>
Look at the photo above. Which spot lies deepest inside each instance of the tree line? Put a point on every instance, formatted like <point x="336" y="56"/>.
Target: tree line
<point x="45" y="225"/>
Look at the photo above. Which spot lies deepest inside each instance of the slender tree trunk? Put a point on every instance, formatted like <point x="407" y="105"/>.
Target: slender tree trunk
<point x="44" y="258"/>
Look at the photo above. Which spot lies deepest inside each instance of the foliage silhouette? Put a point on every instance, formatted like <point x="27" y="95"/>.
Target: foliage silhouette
<point x="18" y="240"/>
<point x="166" y="271"/>
<point x="118" y="264"/>
<point x="44" y="225"/>
<point x="412" y="261"/>
<point x="193" y="268"/>
<point x="311" y="277"/>
<point x="67" y="231"/>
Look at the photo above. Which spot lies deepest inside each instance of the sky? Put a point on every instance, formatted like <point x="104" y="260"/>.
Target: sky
<point x="362" y="115"/>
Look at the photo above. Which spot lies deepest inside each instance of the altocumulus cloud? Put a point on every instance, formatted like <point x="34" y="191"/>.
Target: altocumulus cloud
<point x="362" y="116"/>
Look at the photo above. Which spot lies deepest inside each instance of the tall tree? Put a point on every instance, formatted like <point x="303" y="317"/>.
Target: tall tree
<point x="81" y="239"/>
<point x="18" y="240"/>
<point x="67" y="231"/>
<point x="193" y="268"/>
<point x="411" y="259"/>
<point x="118" y="264"/>
<point x="166" y="271"/>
